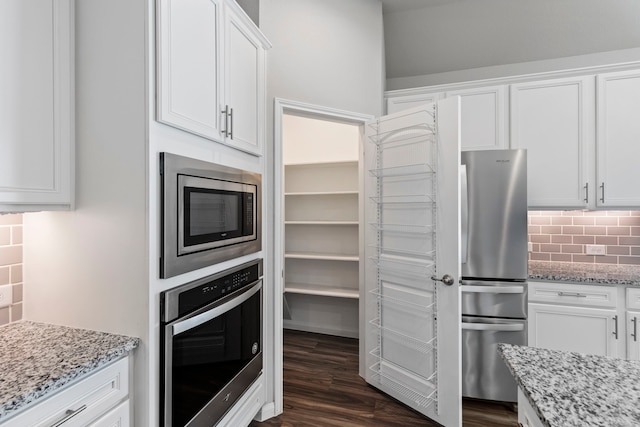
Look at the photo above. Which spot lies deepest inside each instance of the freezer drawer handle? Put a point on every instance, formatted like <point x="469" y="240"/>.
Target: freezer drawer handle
<point x="571" y="294"/>
<point x="508" y="327"/>
<point x="447" y="279"/>
<point x="493" y="289"/>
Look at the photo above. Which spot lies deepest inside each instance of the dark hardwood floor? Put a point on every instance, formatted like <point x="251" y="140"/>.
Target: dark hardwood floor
<point x="322" y="388"/>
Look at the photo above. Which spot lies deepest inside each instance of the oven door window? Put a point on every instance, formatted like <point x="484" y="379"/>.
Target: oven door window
<point x="207" y="357"/>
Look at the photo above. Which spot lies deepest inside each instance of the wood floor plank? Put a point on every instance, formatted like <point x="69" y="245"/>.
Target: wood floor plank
<point x="322" y="388"/>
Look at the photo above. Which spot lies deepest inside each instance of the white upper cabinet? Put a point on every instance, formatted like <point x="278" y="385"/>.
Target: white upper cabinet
<point x="555" y="121"/>
<point x="188" y="69"/>
<point x="484" y="121"/>
<point x="211" y="72"/>
<point x="399" y="103"/>
<point x="483" y="111"/>
<point x="618" y="139"/>
<point x="36" y="106"/>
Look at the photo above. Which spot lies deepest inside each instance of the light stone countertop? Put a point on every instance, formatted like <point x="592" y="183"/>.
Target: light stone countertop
<point x="39" y="358"/>
<point x="569" y="389"/>
<point x="582" y="273"/>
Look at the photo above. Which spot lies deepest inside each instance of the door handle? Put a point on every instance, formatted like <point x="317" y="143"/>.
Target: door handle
<point x="447" y="279"/>
<point x="464" y="215"/>
<point x="586" y="193"/>
<point x="635" y="328"/>
<point x="615" y="324"/>
<point x="602" y="192"/>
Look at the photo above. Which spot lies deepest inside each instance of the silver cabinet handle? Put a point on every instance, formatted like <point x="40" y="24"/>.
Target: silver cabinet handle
<point x="447" y="279"/>
<point x="635" y="328"/>
<point x="615" y="324"/>
<point x="225" y="131"/>
<point x="69" y="413"/>
<point x="586" y="193"/>
<point x="602" y="192"/>
<point x="571" y="294"/>
<point x="231" y="119"/>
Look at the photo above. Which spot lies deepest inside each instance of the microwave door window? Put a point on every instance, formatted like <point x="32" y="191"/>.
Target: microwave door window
<point x="211" y="215"/>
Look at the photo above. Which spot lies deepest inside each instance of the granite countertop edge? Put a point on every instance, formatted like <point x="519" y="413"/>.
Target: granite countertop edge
<point x="46" y="357"/>
<point x="584" y="273"/>
<point x="572" y="389"/>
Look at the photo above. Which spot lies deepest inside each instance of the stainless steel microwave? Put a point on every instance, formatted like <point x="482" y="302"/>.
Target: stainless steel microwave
<point x="210" y="213"/>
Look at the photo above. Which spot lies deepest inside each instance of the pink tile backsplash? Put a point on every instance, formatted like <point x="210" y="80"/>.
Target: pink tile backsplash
<point x="11" y="264"/>
<point x="563" y="236"/>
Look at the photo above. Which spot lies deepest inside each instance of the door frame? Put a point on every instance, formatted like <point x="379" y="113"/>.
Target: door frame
<point x="282" y="107"/>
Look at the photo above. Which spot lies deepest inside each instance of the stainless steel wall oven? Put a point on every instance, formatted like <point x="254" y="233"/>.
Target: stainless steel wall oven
<point x="210" y="213"/>
<point x="211" y="345"/>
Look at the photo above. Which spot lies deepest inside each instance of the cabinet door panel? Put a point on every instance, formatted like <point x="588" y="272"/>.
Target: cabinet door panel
<point x="188" y="71"/>
<point x="242" y="86"/>
<point x="483" y="117"/>
<point x="554" y="120"/>
<point x="36" y="105"/>
<point x="618" y="143"/>
<point x="400" y="103"/>
<point x="567" y="328"/>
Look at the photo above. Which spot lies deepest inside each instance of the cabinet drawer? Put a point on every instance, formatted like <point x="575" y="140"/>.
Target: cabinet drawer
<point x="117" y="417"/>
<point x="87" y="399"/>
<point x="570" y="294"/>
<point x="633" y="298"/>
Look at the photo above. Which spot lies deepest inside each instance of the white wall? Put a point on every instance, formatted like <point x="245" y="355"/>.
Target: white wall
<point x="474" y="35"/>
<point x="325" y="52"/>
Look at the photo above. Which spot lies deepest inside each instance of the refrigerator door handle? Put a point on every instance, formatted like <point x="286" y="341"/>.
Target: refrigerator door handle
<point x="504" y="327"/>
<point x="516" y="289"/>
<point x="464" y="215"/>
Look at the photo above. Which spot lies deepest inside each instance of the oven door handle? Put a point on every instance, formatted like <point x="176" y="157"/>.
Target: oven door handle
<point x="192" y="322"/>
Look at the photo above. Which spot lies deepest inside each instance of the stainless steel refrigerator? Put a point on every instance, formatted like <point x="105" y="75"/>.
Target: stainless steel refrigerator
<point x="494" y="268"/>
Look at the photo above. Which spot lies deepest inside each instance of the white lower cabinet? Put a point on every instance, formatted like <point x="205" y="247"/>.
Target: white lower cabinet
<point x="591" y="319"/>
<point x="101" y="399"/>
<point x="527" y="416"/>
<point x="632" y="327"/>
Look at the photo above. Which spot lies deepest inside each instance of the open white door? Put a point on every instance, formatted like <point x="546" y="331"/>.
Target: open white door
<point x="411" y="330"/>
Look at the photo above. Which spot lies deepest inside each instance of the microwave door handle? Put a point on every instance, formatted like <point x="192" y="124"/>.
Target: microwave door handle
<point x="192" y="322"/>
<point x="493" y="289"/>
<point x="499" y="327"/>
<point x="464" y="215"/>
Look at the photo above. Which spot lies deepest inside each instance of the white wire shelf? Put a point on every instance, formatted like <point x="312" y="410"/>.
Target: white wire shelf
<point x="404" y="170"/>
<point x="408" y="199"/>
<point x="424" y="309"/>
<point x="423" y="256"/>
<point x="404" y="266"/>
<point x="420" y="399"/>
<point x="404" y="228"/>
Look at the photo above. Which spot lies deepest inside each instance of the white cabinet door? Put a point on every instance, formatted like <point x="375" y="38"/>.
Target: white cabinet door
<point x="618" y="140"/>
<point x="36" y="105"/>
<point x="574" y="328"/>
<point x="484" y="121"/>
<point x="244" y="86"/>
<point x="399" y="103"/>
<point x="554" y="121"/>
<point x="188" y="65"/>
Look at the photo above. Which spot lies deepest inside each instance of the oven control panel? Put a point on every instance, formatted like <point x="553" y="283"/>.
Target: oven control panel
<point x="197" y="294"/>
